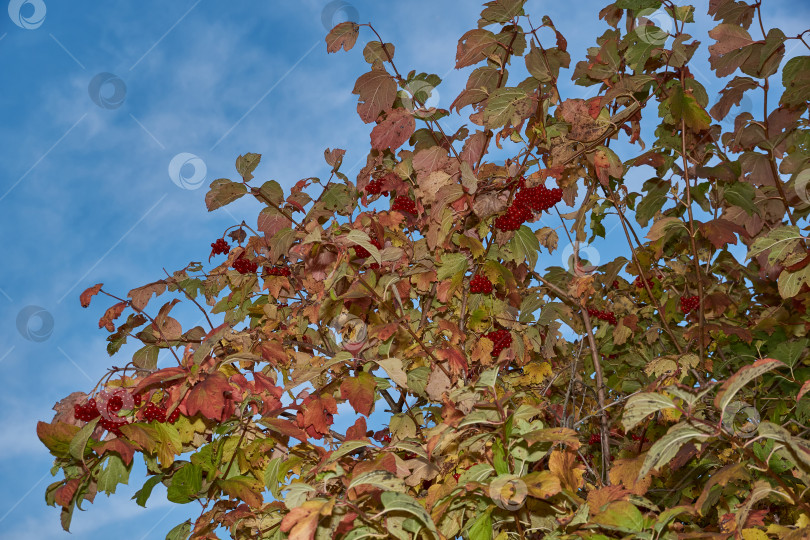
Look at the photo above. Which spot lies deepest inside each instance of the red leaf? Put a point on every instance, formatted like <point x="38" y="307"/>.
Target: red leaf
<point x="377" y="90"/>
<point x="85" y="297"/>
<point x="126" y="451"/>
<point x="64" y="494"/>
<point x="392" y="132"/>
<point x="454" y="357"/>
<point x="721" y="232"/>
<point x="208" y="397"/>
<point x="158" y="377"/>
<point x="342" y="35"/>
<point x="112" y="313"/>
<point x="359" y="390"/>
<point x="474" y="46"/>
<point x="358" y="430"/>
<point x="285" y="427"/>
<point x="141" y="295"/>
<point x="315" y="415"/>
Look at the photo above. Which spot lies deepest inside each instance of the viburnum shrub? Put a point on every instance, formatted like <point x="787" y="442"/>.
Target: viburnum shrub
<point x="511" y="412"/>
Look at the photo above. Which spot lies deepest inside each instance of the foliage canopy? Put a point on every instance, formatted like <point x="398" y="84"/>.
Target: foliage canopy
<point x="660" y="394"/>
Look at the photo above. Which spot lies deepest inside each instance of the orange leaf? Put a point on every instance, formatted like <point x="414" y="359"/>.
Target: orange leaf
<point x="85" y="297"/>
<point x="359" y="390"/>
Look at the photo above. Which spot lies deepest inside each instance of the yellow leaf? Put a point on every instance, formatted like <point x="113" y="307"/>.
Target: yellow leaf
<point x="754" y="534"/>
<point x="535" y="372"/>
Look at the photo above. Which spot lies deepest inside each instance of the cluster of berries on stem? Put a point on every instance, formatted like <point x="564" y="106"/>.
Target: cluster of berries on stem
<point x="90" y="411"/>
<point x="607" y="316"/>
<point x="404" y="204"/>
<point x="245" y="266"/>
<point x="501" y="339"/>
<point x="689" y="303"/>
<point x="525" y="202"/>
<point x="363" y="252"/>
<point x="480" y="284"/>
<point x="220" y="247"/>
<point x="374" y="187"/>
<point x="157" y="413"/>
<point x="277" y="271"/>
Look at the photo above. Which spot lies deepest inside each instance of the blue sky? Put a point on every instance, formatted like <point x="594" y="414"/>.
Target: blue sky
<point x="85" y="190"/>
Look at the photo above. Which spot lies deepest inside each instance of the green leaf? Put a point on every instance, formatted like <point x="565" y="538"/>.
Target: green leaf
<point x="115" y="472"/>
<point x="383" y="480"/>
<point x="745" y="375"/>
<point x="146" y="357"/>
<point x="621" y="515"/>
<point x="142" y="495"/>
<point x="639" y="406"/>
<point x="790" y="352"/>
<point x="272" y="193"/>
<point x="501" y="11"/>
<point x="667" y="446"/>
<point x="780" y="241"/>
<point x="246" y="164"/>
<point x="180" y="532"/>
<point x="684" y="106"/>
<point x="741" y="194"/>
<point x="281" y="242"/>
<point x="790" y="283"/>
<point x="452" y="264"/>
<point x="361" y="238"/>
<point x="506" y="105"/>
<point x="524" y="245"/>
<point x="481" y="527"/>
<point x="78" y="444"/>
<point x="399" y="502"/>
<point x="796" y="80"/>
<point x="222" y="192"/>
<point x="185" y="484"/>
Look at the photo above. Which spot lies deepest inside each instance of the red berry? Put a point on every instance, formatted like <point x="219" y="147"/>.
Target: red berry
<point x="277" y="271"/>
<point x="635" y="437"/>
<point x="404" y="204"/>
<point x="501" y="340"/>
<point x="136" y="399"/>
<point x="480" y="284"/>
<point x="245" y="266"/>
<point x="689" y="303"/>
<point x="456" y="476"/>
<point x="220" y="246"/>
<point x="173" y="417"/>
<point x="115" y="404"/>
<point x="595" y="439"/>
<point x="374" y="187"/>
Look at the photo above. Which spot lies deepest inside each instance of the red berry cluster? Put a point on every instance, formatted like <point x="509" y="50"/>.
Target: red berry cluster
<point x="156" y="413"/>
<point x="607" y="316"/>
<point x="639" y="283"/>
<point x="595" y="439"/>
<point x="635" y="437"/>
<point x="501" y="339"/>
<point x="220" y="246"/>
<point x="404" y="204"/>
<point x="113" y="425"/>
<point x="526" y="201"/>
<point x="374" y="187"/>
<point x="245" y="266"/>
<point x="363" y="252"/>
<point x="480" y="285"/>
<point x="688" y="303"/>
<point x="86" y="412"/>
<point x="277" y="271"/>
